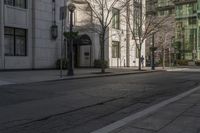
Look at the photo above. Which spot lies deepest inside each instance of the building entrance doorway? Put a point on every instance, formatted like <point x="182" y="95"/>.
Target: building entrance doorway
<point x="83" y="51"/>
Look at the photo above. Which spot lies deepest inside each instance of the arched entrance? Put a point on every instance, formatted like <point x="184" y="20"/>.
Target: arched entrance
<point x="83" y="51"/>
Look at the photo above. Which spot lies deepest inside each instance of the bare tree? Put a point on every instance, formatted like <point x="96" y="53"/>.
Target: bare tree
<point x="142" y="26"/>
<point x="162" y="43"/>
<point x="102" y="16"/>
<point x="164" y="37"/>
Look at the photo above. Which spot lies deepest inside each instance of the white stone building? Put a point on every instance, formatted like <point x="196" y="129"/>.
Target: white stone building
<point x="26" y="39"/>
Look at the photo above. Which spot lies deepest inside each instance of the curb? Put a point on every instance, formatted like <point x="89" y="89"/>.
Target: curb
<point x="99" y="76"/>
<point x="88" y="77"/>
<point x="109" y="75"/>
<point x="152" y="109"/>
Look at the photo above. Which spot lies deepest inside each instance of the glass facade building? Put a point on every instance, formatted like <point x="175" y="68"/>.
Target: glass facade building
<point x="187" y="29"/>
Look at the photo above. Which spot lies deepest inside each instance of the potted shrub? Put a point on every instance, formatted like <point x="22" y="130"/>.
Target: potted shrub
<point x="197" y="62"/>
<point x="64" y="63"/>
<point x="99" y="63"/>
<point x="182" y="62"/>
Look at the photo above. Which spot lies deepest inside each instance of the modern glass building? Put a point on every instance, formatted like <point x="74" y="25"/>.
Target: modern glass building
<point x="187" y="23"/>
<point x="187" y="26"/>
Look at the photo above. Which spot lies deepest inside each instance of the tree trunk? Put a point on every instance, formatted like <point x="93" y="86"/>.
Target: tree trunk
<point x="163" y="57"/>
<point x="139" y="66"/>
<point x="102" y="53"/>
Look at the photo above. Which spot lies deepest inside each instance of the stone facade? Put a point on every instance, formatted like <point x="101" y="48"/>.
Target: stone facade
<point x="42" y="51"/>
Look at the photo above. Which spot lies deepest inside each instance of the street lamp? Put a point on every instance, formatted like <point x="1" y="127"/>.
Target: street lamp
<point x="71" y="8"/>
<point x="183" y="42"/>
<point x="172" y="51"/>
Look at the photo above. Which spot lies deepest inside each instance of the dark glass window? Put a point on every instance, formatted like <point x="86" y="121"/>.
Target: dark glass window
<point x="115" y="49"/>
<point x="192" y="21"/>
<point x="137" y="21"/>
<point x="116" y="18"/>
<point x="17" y="3"/>
<point x="15" y="41"/>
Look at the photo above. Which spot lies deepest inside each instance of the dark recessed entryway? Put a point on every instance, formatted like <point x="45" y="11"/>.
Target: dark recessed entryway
<point x="82" y="51"/>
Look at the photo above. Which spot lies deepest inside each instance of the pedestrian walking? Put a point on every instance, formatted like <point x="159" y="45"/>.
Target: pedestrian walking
<point x="142" y="61"/>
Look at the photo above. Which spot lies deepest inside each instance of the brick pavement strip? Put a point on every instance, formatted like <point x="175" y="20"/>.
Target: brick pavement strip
<point x="180" y="114"/>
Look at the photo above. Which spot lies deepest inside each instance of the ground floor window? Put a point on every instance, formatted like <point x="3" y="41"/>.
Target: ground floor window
<point x="137" y="53"/>
<point x="15" y="41"/>
<point x="115" y="49"/>
<point x="17" y="3"/>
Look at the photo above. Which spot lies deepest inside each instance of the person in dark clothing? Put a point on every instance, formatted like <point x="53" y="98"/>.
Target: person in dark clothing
<point x="142" y="61"/>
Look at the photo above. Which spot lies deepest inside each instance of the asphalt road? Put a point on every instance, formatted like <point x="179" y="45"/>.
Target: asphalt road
<point x="84" y="105"/>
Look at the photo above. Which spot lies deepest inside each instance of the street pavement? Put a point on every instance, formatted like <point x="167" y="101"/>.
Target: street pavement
<point x="85" y="105"/>
<point x="5" y="82"/>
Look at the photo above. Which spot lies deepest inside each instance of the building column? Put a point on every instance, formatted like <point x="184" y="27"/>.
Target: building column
<point x="2" y="58"/>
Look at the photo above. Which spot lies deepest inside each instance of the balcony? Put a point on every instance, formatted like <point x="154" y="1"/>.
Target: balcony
<point x="180" y="2"/>
<point x="165" y="5"/>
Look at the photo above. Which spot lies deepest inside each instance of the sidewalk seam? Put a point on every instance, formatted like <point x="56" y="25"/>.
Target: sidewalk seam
<point x="152" y="109"/>
<point x="176" y="117"/>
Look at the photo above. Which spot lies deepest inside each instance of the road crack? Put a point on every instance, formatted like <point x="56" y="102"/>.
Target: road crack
<point x="64" y="113"/>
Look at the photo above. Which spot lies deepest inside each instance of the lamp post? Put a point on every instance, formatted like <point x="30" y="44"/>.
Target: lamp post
<point x="194" y="52"/>
<point x="71" y="8"/>
<point x="171" y="51"/>
<point x="183" y="42"/>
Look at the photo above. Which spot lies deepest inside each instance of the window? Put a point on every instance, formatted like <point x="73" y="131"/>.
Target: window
<point x="115" y="49"/>
<point x="116" y="18"/>
<point x="161" y="13"/>
<point x="198" y="4"/>
<point x="15" y="42"/>
<point x="199" y="37"/>
<point x="17" y="3"/>
<point x="179" y="10"/>
<point x="171" y="12"/>
<point x="137" y="17"/>
<point x="137" y="53"/>
<point x="192" y="21"/>
<point x="192" y="38"/>
<point x="192" y="8"/>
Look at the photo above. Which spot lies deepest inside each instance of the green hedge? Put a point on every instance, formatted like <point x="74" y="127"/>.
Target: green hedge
<point x="64" y="63"/>
<point x="99" y="63"/>
<point x="182" y="62"/>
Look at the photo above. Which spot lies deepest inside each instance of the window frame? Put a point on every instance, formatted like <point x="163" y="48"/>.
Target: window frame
<point x="115" y="23"/>
<point x="14" y="4"/>
<point x="14" y="36"/>
<point x="137" y="17"/>
<point x="114" y="45"/>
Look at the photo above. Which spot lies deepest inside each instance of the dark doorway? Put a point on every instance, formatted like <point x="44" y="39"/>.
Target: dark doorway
<point x="76" y="55"/>
<point x="79" y="54"/>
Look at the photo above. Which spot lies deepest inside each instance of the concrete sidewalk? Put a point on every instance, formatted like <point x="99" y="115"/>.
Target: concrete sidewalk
<point x="183" y="69"/>
<point x="177" y="115"/>
<point x="29" y="76"/>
